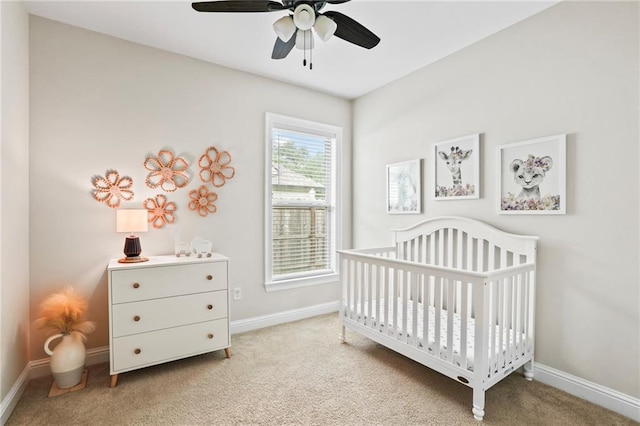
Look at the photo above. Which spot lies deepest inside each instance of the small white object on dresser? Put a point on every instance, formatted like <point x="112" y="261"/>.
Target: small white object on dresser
<point x="166" y="309"/>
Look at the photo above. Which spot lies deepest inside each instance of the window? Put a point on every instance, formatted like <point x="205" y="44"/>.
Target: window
<point x="301" y="226"/>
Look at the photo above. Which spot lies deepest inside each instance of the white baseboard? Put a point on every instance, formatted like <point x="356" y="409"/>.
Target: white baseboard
<point x="40" y="368"/>
<point x="255" y="323"/>
<point x="9" y="402"/>
<point x="600" y="395"/>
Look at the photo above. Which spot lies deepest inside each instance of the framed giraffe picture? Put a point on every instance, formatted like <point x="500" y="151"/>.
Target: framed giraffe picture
<point x="404" y="190"/>
<point x="532" y="176"/>
<point x="456" y="168"/>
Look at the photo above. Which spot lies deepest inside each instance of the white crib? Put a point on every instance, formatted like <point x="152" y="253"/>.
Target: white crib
<point x="454" y="294"/>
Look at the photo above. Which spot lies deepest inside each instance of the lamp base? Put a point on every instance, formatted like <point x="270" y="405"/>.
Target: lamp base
<point x="133" y="259"/>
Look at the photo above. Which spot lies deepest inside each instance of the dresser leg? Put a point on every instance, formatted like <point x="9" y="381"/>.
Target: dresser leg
<point x="227" y="351"/>
<point x="114" y="381"/>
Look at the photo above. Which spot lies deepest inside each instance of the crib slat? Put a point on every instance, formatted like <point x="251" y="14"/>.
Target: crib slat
<point x="378" y="298"/>
<point x="426" y="300"/>
<point x="387" y="300"/>
<point x="368" y="296"/>
<point x="458" y="260"/>
<point x="480" y="256"/>
<point x="470" y="243"/>
<point x="481" y="306"/>
<point x="423" y="245"/>
<point x="441" y="259"/>
<point x="394" y="301"/>
<point x="492" y="318"/>
<point x="405" y="305"/>
<point x="450" y="248"/>
<point x="517" y="335"/>
<point x="522" y="318"/>
<point x="491" y="265"/>
<point x="350" y="289"/>
<point x="464" y="312"/>
<point x="414" y="300"/>
<point x="450" y="285"/>
<point x="508" y="316"/>
<point x="432" y="249"/>
<point x="361" y="304"/>
<point x="436" y="319"/>
<point x="501" y="325"/>
<point x="503" y="258"/>
<point x="525" y="322"/>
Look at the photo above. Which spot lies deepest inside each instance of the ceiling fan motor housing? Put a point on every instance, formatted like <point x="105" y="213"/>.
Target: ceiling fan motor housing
<point x="304" y="16"/>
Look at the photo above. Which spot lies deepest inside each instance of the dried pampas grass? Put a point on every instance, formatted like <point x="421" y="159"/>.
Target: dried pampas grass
<point x="65" y="312"/>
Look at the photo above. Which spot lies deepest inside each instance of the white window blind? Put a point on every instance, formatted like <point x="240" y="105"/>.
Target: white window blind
<point x="301" y="202"/>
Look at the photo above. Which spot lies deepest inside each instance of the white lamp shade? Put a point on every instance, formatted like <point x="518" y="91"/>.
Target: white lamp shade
<point x="284" y="28"/>
<point x="304" y="40"/>
<point x="304" y="17"/>
<point x="325" y="27"/>
<point x="132" y="220"/>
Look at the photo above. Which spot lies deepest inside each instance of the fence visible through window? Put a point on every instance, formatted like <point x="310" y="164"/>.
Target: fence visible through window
<point x="299" y="237"/>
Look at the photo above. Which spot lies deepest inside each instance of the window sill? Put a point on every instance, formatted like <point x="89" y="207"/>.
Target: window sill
<point x="301" y="282"/>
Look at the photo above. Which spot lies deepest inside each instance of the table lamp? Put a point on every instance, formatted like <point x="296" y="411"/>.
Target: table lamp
<point x="132" y="220"/>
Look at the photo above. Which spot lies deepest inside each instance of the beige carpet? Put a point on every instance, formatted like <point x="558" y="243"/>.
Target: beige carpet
<point x="299" y="373"/>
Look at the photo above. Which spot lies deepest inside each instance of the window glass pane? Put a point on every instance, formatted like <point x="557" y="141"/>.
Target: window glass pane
<point x="302" y="203"/>
<point x="301" y="167"/>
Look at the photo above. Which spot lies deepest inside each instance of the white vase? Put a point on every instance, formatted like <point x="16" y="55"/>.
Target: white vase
<point x="67" y="359"/>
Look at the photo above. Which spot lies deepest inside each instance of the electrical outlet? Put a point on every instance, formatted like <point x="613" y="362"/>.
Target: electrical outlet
<point x="237" y="293"/>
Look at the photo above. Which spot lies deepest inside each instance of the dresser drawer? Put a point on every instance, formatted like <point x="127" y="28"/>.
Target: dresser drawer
<point x="156" y="314"/>
<point x="164" y="281"/>
<point x="151" y="348"/>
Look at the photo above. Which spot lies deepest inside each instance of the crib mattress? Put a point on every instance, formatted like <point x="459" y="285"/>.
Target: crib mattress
<point x="398" y="331"/>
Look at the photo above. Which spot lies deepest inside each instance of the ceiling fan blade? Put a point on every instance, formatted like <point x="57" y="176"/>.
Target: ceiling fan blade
<point x="238" y="6"/>
<point x="281" y="49"/>
<point x="352" y="31"/>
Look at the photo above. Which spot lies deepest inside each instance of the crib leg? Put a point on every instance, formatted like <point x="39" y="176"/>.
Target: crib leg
<point x="478" y="404"/>
<point x="528" y="370"/>
<point x="342" y="335"/>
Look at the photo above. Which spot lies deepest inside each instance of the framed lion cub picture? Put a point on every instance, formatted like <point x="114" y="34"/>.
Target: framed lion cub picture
<point x="532" y="176"/>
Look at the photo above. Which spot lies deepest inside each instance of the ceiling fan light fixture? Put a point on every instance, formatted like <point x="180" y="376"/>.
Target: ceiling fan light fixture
<point x="304" y="40"/>
<point x="284" y="28"/>
<point x="304" y="17"/>
<point x="325" y="27"/>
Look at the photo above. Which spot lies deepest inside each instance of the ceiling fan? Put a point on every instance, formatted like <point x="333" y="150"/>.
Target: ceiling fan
<point x="295" y="29"/>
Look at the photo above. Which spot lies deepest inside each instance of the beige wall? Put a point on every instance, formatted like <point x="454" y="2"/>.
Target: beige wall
<point x="571" y="69"/>
<point x="98" y="103"/>
<point x="14" y="193"/>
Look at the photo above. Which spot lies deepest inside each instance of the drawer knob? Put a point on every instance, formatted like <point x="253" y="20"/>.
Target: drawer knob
<point x="137" y="351"/>
<point x="209" y="307"/>
<point x="209" y="277"/>
<point x="210" y="335"/>
<point x="136" y="318"/>
<point x="136" y="285"/>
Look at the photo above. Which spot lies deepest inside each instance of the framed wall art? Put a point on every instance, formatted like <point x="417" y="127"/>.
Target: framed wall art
<point x="456" y="168"/>
<point x="404" y="190"/>
<point x="532" y="176"/>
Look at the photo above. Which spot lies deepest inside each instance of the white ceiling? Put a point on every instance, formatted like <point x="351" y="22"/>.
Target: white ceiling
<point x="413" y="33"/>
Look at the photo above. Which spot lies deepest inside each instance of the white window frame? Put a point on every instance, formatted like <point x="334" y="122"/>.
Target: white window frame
<point x="305" y="126"/>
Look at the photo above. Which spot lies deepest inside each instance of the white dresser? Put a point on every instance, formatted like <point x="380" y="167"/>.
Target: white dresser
<point x="166" y="309"/>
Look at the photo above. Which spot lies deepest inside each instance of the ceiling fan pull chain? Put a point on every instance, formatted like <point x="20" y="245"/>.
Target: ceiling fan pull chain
<point x="311" y="58"/>
<point x="304" y="41"/>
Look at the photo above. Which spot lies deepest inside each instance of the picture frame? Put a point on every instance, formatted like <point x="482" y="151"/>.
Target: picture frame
<point x="532" y="176"/>
<point x="456" y="169"/>
<point x="404" y="189"/>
